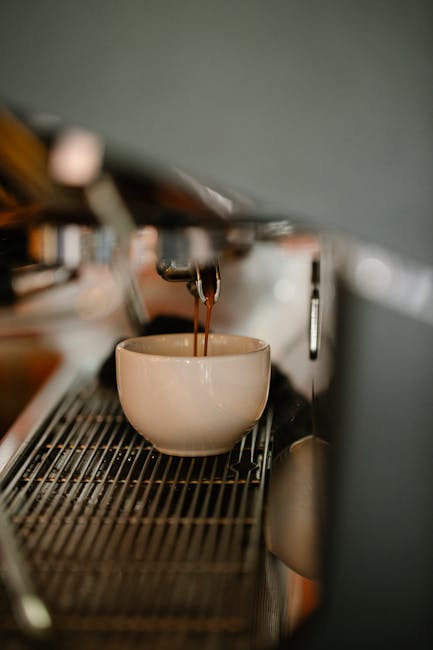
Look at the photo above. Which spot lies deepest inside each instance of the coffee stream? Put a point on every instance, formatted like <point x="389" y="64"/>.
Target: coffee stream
<point x="209" y="287"/>
<point x="196" y="305"/>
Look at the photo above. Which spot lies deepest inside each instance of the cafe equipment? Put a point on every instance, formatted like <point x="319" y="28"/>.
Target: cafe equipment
<point x="128" y="547"/>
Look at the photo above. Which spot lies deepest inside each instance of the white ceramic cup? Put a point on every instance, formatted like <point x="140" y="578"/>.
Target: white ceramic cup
<point x="193" y="406"/>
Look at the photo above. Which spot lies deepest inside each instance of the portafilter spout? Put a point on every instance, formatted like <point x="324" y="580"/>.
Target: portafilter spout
<point x="185" y="255"/>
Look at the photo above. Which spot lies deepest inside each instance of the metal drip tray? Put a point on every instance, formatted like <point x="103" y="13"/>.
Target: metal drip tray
<point x="133" y="548"/>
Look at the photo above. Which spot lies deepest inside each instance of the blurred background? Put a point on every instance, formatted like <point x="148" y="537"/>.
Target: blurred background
<point x="321" y="111"/>
<point x="320" y="108"/>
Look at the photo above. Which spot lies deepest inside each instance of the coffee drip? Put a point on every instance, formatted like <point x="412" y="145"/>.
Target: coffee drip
<point x="209" y="287"/>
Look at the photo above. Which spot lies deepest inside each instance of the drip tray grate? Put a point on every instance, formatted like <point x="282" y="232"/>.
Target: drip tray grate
<point x="133" y="548"/>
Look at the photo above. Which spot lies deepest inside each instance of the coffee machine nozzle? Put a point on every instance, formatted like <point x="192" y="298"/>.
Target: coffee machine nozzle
<point x="192" y="274"/>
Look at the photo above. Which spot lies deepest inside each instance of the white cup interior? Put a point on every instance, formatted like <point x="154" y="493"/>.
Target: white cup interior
<point x="182" y="345"/>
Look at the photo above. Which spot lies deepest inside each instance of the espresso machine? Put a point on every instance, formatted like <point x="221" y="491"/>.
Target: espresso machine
<point x="314" y="530"/>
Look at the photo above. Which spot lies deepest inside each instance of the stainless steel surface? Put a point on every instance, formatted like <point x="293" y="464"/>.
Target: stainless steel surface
<point x="30" y="610"/>
<point x="33" y="415"/>
<point x="132" y="548"/>
<point x="181" y="250"/>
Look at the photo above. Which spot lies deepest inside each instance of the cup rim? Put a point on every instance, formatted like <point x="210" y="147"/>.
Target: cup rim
<point x="262" y="346"/>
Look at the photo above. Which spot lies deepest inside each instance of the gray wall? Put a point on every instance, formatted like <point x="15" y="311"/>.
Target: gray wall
<point x="321" y="107"/>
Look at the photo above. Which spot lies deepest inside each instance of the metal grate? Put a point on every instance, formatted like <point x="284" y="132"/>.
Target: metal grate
<point x="133" y="548"/>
